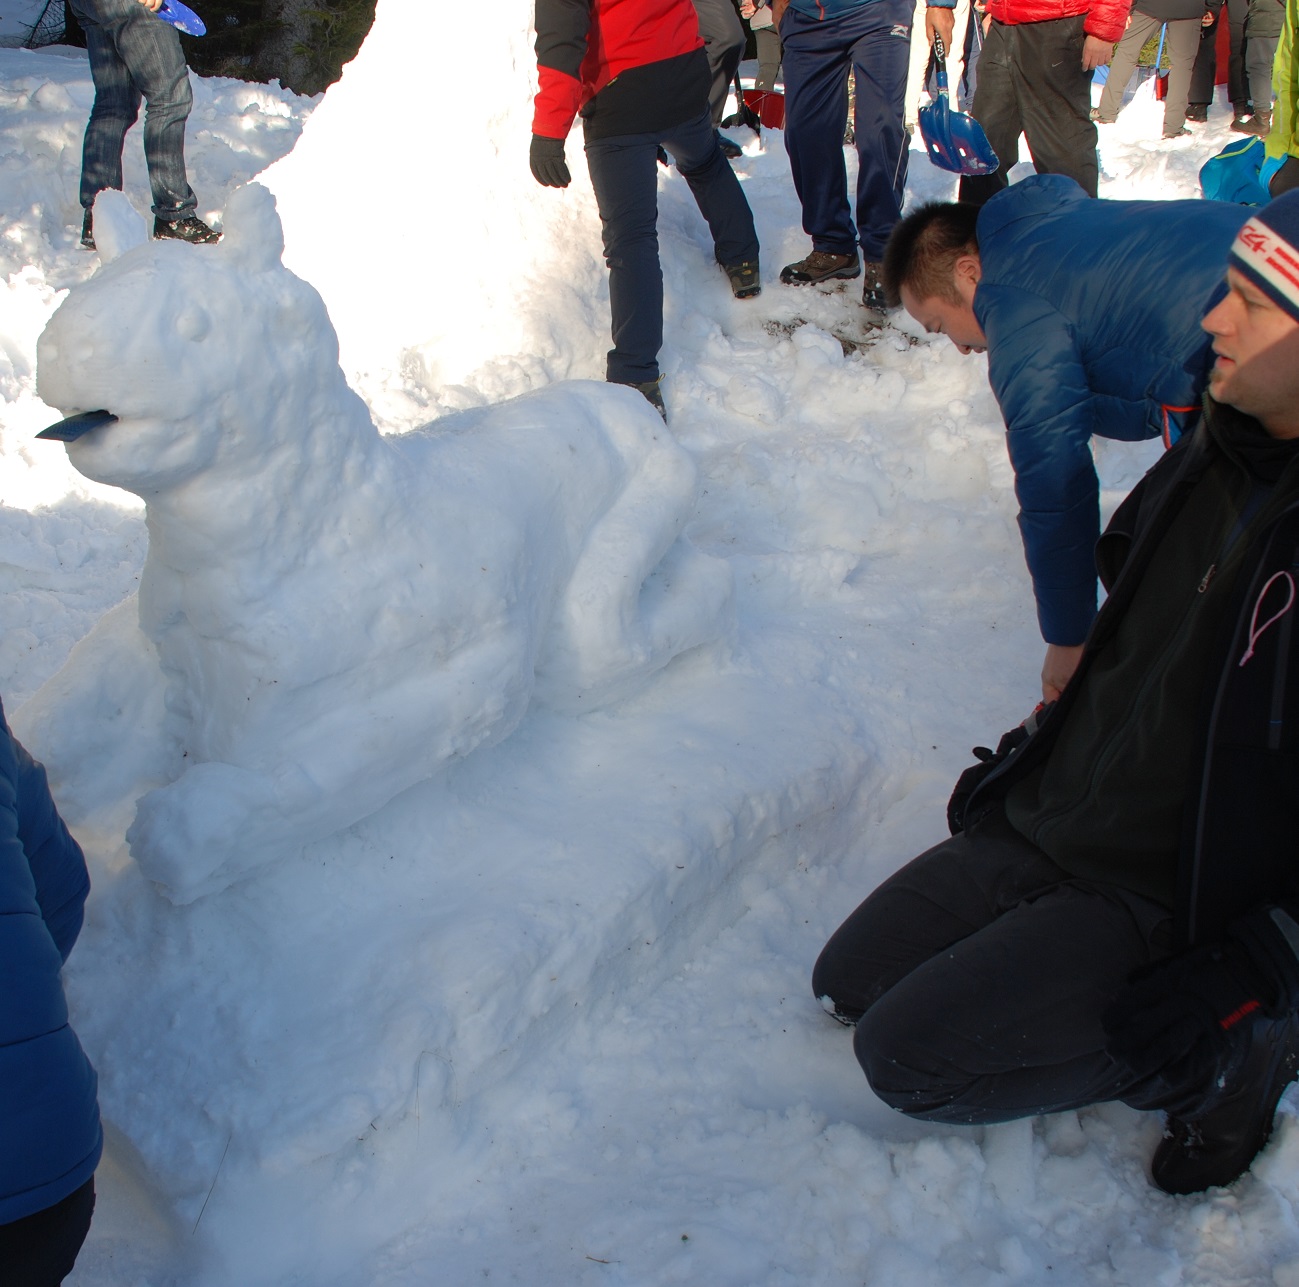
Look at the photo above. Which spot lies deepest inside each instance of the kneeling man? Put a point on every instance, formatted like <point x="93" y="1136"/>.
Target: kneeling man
<point x="1117" y="914"/>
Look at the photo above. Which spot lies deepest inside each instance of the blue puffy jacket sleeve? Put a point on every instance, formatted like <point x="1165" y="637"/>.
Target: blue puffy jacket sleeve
<point x="50" y="1137"/>
<point x="1037" y="372"/>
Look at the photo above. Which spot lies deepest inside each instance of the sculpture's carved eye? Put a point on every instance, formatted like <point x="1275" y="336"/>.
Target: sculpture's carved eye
<point x="193" y="323"/>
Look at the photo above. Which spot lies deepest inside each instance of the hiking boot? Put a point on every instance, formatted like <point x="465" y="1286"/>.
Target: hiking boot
<point x="1176" y="134"/>
<point x="872" y="294"/>
<point x="650" y="391"/>
<point x="730" y="149"/>
<point x="746" y="281"/>
<point x="1219" y="1147"/>
<point x="191" y="228"/>
<point x="1259" y="124"/>
<point x="88" y="229"/>
<point x="1198" y="112"/>
<point x="820" y="266"/>
<point x="1240" y="122"/>
<point x="1095" y="115"/>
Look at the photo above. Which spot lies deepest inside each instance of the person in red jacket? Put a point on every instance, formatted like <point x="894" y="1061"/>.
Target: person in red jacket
<point x="1035" y="77"/>
<point x="637" y="74"/>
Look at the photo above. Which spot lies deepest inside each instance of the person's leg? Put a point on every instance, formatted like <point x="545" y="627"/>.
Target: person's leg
<point x="880" y="53"/>
<point x="723" y="33"/>
<point x="1183" y="43"/>
<point x="151" y="50"/>
<point x="953" y="890"/>
<point x="1260" y="52"/>
<point x="816" y="106"/>
<point x="978" y="975"/>
<point x="768" y="44"/>
<point x="40" y="1250"/>
<point x="919" y="58"/>
<point x="1057" y="101"/>
<point x="716" y="190"/>
<point x="1007" y="1022"/>
<point x="1124" y="63"/>
<point x="1204" y="72"/>
<point x="1238" y="86"/>
<point x="115" y="110"/>
<point x="996" y="107"/>
<point x="956" y="54"/>
<point x="624" y="175"/>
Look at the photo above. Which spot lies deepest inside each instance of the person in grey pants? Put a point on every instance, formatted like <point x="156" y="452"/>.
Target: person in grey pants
<point x="723" y="34"/>
<point x="134" y="55"/>
<point x="1185" y="19"/>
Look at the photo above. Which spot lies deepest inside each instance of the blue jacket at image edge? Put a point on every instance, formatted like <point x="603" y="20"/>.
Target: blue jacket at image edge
<point x="50" y="1135"/>
<point x="1092" y="314"/>
<point x="834" y="8"/>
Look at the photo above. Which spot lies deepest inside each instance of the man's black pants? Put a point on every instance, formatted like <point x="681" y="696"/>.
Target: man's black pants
<point x="40" y="1250"/>
<point x="1031" y="81"/>
<point x="978" y="975"/>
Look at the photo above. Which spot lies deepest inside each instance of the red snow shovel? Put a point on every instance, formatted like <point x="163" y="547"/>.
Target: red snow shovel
<point x="956" y="141"/>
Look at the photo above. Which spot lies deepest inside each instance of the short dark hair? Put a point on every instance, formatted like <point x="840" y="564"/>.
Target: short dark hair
<point x="923" y="250"/>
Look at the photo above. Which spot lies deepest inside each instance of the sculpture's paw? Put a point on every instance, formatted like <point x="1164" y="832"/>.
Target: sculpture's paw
<point x="201" y="832"/>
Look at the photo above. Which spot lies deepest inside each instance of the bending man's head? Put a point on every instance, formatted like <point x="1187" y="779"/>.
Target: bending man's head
<point x="932" y="268"/>
<point x="1255" y="327"/>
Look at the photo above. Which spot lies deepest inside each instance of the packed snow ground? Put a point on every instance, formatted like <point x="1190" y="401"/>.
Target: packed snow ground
<point x="545" y="1019"/>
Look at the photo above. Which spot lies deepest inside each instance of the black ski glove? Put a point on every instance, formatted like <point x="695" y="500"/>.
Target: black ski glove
<point x="970" y="779"/>
<point x="1188" y="1020"/>
<point x="547" y="161"/>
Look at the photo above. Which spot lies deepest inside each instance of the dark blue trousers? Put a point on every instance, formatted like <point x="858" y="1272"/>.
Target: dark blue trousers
<point x="874" y="43"/>
<point x="624" y="174"/>
<point x="40" y="1250"/>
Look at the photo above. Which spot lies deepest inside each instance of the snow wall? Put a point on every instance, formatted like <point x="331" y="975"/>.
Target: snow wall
<point x="461" y="265"/>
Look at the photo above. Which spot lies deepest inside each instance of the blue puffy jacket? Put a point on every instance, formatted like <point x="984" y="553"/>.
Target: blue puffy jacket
<point x="1092" y="313"/>
<point x="50" y="1137"/>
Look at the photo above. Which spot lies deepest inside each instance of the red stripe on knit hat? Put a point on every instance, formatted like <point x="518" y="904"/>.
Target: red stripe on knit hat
<point x="1271" y="258"/>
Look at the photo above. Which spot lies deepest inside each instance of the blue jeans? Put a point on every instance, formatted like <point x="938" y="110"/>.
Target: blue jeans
<point x="873" y="43"/>
<point x="624" y="175"/>
<point x="134" y="54"/>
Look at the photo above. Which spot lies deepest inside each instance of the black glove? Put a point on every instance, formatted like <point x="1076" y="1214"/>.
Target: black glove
<point x="1285" y="177"/>
<point x="970" y="779"/>
<point x="1188" y="1021"/>
<point x="547" y="161"/>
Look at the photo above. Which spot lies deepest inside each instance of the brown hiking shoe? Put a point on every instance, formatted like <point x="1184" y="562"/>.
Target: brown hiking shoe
<point x="820" y="266"/>
<point x="745" y="278"/>
<point x="872" y="295"/>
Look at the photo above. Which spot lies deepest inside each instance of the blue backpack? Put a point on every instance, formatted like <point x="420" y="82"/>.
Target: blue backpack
<point x="1236" y="174"/>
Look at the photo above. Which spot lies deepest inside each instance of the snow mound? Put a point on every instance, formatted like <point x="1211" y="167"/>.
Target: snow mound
<point x="337" y="615"/>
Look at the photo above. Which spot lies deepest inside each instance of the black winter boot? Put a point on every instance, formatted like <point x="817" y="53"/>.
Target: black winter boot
<point x="191" y="229"/>
<point x="88" y="229"/>
<point x="1219" y="1147"/>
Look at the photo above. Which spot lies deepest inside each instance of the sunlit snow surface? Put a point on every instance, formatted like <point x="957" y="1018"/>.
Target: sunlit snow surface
<point x="544" y="1018"/>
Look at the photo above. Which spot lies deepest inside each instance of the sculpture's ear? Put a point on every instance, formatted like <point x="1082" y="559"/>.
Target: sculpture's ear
<point x="117" y="226"/>
<point x="251" y="232"/>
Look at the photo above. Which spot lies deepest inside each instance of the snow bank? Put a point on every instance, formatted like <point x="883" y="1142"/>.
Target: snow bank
<point x="546" y="1019"/>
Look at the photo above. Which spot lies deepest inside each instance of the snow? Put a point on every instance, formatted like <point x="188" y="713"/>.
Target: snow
<point x="543" y="1016"/>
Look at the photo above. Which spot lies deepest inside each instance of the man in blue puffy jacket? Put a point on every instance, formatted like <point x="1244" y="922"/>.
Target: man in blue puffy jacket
<point x="1089" y="312"/>
<point x="50" y="1137"/>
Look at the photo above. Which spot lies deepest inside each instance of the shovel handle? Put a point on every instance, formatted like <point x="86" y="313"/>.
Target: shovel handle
<point x="940" y="54"/>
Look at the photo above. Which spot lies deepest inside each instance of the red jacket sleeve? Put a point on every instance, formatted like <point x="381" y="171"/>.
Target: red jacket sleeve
<point x="1107" y="19"/>
<point x="563" y="27"/>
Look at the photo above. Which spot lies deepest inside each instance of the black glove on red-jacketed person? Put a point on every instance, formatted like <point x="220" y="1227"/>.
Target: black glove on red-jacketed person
<point x="547" y="161"/>
<point x="1187" y="1021"/>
